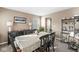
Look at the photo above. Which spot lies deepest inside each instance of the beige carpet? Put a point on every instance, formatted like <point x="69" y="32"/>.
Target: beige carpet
<point x="5" y="48"/>
<point x="59" y="47"/>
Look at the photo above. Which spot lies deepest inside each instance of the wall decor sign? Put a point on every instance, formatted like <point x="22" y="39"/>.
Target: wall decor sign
<point x="21" y="20"/>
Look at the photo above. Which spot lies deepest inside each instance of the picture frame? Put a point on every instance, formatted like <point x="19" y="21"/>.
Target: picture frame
<point x="21" y="20"/>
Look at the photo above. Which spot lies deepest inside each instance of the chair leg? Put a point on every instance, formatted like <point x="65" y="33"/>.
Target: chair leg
<point x="53" y="48"/>
<point x="48" y="49"/>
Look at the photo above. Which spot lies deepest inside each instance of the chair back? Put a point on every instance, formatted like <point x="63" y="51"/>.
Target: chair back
<point x="44" y="40"/>
<point x="52" y="36"/>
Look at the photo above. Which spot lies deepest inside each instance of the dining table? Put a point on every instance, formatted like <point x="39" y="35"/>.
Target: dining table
<point x="28" y="43"/>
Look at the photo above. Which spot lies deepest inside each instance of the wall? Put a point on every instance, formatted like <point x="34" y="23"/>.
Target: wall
<point x="56" y="18"/>
<point x="6" y="15"/>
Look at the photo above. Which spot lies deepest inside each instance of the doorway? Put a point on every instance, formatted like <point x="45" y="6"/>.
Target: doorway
<point x="48" y="25"/>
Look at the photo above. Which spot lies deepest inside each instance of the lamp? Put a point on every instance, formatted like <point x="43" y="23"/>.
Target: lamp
<point x="30" y="24"/>
<point x="9" y="24"/>
<point x="72" y="34"/>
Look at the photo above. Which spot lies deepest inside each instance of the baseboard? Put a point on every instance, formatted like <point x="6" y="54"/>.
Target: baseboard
<point x="3" y="43"/>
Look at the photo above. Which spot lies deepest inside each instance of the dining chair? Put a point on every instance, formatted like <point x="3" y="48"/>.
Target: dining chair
<point x="52" y="40"/>
<point x="44" y="43"/>
<point x="12" y="39"/>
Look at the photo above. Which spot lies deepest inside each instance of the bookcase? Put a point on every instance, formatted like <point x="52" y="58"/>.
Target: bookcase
<point x="67" y="26"/>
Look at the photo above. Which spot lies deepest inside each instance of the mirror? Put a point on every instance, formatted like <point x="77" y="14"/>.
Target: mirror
<point x="48" y="24"/>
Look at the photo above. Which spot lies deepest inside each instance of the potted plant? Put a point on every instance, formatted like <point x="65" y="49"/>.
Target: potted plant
<point x="41" y="29"/>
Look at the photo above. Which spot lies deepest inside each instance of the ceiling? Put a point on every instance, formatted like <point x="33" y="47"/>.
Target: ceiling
<point x="40" y="11"/>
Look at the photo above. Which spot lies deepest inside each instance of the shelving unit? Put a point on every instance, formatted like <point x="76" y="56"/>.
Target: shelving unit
<point x="68" y="25"/>
<point x="70" y="28"/>
<point x="75" y="43"/>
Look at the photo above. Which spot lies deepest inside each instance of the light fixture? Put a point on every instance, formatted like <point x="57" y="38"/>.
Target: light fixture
<point x="9" y="25"/>
<point x="30" y="24"/>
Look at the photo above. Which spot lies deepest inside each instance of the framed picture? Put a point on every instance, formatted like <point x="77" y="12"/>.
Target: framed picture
<point x="21" y="20"/>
